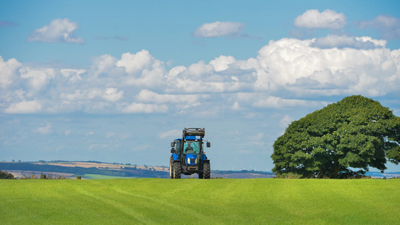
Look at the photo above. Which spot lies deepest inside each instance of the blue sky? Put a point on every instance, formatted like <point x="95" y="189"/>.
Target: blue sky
<point x="116" y="81"/>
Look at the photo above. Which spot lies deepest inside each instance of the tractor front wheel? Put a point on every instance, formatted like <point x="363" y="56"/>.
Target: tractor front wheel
<point x="206" y="170"/>
<point x="177" y="170"/>
<point x="201" y="175"/>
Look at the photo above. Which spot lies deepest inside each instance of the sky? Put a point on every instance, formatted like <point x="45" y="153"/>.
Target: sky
<point x="117" y="81"/>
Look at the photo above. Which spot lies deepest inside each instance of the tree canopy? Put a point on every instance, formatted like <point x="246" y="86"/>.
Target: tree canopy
<point x="6" y="175"/>
<point x="354" y="133"/>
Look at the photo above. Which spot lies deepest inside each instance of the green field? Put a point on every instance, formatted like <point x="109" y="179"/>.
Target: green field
<point x="191" y="201"/>
<point x="99" y="176"/>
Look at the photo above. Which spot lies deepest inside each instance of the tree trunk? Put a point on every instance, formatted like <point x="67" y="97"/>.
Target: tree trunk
<point x="336" y="169"/>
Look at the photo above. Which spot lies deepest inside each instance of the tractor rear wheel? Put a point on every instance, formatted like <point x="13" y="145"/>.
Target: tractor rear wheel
<point x="171" y="168"/>
<point x="177" y="170"/>
<point x="206" y="170"/>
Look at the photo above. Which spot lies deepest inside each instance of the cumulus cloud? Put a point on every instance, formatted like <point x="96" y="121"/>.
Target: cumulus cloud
<point x="313" y="19"/>
<point x="59" y="30"/>
<point x="175" y="71"/>
<point x="8" y="71"/>
<point x="73" y="75"/>
<point x="335" y="41"/>
<point x="389" y="26"/>
<point x="287" y="73"/>
<point x="134" y="63"/>
<point x="277" y="102"/>
<point x="103" y="64"/>
<point x="149" y="96"/>
<point x="24" y="107"/>
<point x="285" y="62"/>
<point x="219" y="29"/>
<point x="145" y="108"/>
<point x="37" y="78"/>
<point x="112" y="94"/>
<point x="222" y="63"/>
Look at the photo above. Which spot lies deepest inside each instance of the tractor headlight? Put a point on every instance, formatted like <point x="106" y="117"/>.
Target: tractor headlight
<point x="195" y="161"/>
<point x="188" y="160"/>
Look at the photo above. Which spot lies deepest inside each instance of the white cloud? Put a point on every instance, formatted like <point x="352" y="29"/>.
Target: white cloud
<point x="314" y="19"/>
<point x="102" y="65"/>
<point x="44" y="130"/>
<point x="277" y="102"/>
<point x="170" y="134"/>
<point x="235" y="106"/>
<point x="219" y="29"/>
<point x="135" y="63"/>
<point x="286" y="120"/>
<point x="8" y="71"/>
<point x="112" y="94"/>
<point x="222" y="63"/>
<point x="297" y="66"/>
<point x="37" y="78"/>
<point x="73" y="75"/>
<point x="24" y="107"/>
<point x="285" y="73"/>
<point x="67" y="132"/>
<point x="389" y="26"/>
<point x="334" y="41"/>
<point x="175" y="71"/>
<point x="59" y="30"/>
<point x="148" y="78"/>
<point x="145" y="108"/>
<point x="149" y="96"/>
<point x="200" y="68"/>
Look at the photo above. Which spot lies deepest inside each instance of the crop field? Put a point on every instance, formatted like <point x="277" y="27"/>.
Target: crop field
<point x="193" y="201"/>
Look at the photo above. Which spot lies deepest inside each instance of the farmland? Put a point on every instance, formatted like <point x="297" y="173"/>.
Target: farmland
<point x="70" y="169"/>
<point x="192" y="201"/>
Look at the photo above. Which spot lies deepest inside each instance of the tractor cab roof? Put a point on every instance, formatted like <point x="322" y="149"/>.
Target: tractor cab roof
<point x="189" y="138"/>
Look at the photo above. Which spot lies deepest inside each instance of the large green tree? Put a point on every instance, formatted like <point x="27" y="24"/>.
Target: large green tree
<point x="341" y="140"/>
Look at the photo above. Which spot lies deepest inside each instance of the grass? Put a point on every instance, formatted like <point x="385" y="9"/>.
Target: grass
<point x="99" y="176"/>
<point x="191" y="201"/>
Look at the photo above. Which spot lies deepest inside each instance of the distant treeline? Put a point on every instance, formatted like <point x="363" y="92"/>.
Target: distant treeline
<point x="82" y="170"/>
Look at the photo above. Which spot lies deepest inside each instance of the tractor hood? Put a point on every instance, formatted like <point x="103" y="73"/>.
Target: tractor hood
<point x="191" y="159"/>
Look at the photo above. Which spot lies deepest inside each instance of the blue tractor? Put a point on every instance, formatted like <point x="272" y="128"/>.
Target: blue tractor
<point x="188" y="156"/>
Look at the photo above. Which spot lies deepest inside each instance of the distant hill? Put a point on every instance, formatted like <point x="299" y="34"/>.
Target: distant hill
<point x="95" y="170"/>
<point x="71" y="169"/>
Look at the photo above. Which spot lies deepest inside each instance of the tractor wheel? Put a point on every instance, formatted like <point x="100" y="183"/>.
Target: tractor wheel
<point x="206" y="170"/>
<point x="171" y="168"/>
<point x="201" y="175"/>
<point x="177" y="170"/>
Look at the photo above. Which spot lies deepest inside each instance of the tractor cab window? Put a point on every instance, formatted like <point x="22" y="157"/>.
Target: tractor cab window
<point x="191" y="147"/>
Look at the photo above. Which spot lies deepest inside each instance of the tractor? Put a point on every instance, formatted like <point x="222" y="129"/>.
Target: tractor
<point x="188" y="156"/>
